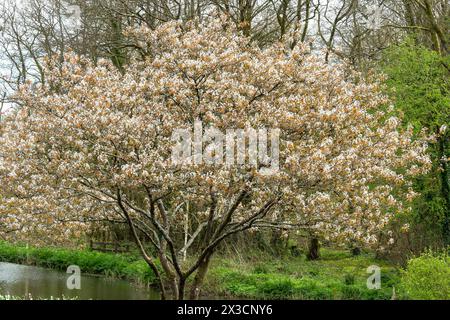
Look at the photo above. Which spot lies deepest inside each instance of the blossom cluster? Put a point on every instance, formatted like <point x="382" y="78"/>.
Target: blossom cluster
<point x="344" y="165"/>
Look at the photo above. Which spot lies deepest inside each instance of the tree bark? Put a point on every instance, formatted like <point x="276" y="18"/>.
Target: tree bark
<point x="276" y="242"/>
<point x="199" y="277"/>
<point x="356" y="251"/>
<point x="144" y="254"/>
<point x="169" y="273"/>
<point x="445" y="189"/>
<point x="314" y="247"/>
<point x="181" y="287"/>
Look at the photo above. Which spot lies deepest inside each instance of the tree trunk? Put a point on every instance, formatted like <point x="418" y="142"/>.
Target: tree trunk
<point x="170" y="274"/>
<point x="314" y="247"/>
<point x="181" y="287"/>
<point x="445" y="189"/>
<point x="276" y="242"/>
<point x="245" y="17"/>
<point x="440" y="35"/>
<point x="199" y="277"/>
<point x="356" y="251"/>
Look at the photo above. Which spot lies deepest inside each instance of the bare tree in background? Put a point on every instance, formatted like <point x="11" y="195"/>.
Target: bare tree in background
<point x="30" y="32"/>
<point x="359" y="30"/>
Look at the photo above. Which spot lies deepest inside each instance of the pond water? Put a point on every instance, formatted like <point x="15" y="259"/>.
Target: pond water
<point x="20" y="280"/>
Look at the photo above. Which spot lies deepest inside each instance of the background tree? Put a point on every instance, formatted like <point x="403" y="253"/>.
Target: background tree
<point x="419" y="82"/>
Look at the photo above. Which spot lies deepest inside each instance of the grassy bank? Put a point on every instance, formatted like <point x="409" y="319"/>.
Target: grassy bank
<point x="90" y="262"/>
<point x="337" y="275"/>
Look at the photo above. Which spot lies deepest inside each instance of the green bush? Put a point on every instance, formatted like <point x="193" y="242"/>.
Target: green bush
<point x="419" y="84"/>
<point x="349" y="279"/>
<point x="427" y="278"/>
<point x="261" y="268"/>
<point x="277" y="288"/>
<point x="310" y="289"/>
<point x="351" y="292"/>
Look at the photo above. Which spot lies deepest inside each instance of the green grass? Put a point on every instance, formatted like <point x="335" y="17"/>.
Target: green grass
<point x="90" y="262"/>
<point x="337" y="275"/>
<point x="29" y="297"/>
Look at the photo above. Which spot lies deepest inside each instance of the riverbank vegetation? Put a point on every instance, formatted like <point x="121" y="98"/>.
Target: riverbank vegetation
<point x="257" y="149"/>
<point x="29" y="297"/>
<point x="90" y="262"/>
<point x="337" y="274"/>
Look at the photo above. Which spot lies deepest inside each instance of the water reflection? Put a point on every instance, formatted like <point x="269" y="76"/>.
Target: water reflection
<point x="19" y="280"/>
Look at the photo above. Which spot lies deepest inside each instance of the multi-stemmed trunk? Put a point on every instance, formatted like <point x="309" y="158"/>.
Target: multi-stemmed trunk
<point x="199" y="278"/>
<point x="157" y="229"/>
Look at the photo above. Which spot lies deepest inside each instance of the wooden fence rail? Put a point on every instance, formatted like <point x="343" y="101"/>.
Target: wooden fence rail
<point x="109" y="246"/>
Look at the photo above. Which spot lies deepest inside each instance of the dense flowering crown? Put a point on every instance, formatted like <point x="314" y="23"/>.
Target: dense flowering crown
<point x="90" y="131"/>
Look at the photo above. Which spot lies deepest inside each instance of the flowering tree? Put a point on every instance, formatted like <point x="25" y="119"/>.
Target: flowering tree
<point x="95" y="144"/>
